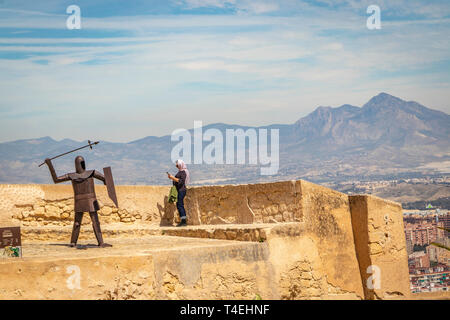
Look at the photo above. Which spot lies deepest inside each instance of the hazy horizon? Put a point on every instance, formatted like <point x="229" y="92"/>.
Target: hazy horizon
<point x="188" y="128"/>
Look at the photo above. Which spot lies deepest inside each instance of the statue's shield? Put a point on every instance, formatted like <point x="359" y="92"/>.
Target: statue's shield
<point x="110" y="185"/>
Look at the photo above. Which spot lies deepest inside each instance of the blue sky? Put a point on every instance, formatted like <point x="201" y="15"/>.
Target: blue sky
<point x="139" y="68"/>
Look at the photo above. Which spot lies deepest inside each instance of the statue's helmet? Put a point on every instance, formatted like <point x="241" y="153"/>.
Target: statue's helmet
<point x="80" y="165"/>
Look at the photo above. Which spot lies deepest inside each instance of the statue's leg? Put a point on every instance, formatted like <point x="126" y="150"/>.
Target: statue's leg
<point x="76" y="228"/>
<point x="97" y="230"/>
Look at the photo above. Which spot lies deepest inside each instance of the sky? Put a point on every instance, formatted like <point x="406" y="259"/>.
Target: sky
<point x="145" y="68"/>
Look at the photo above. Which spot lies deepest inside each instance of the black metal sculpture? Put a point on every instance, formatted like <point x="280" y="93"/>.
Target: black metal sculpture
<point x="84" y="194"/>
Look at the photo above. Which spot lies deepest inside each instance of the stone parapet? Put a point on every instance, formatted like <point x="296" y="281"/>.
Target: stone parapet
<point x="318" y="243"/>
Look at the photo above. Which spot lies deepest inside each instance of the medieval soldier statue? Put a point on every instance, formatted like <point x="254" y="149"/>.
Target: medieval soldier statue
<point x="84" y="193"/>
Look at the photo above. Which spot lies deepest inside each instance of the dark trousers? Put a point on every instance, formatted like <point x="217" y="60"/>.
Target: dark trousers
<point x="180" y="203"/>
<point x="95" y="225"/>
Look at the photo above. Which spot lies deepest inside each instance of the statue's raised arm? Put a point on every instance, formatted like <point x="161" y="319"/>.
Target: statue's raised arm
<point x="55" y="178"/>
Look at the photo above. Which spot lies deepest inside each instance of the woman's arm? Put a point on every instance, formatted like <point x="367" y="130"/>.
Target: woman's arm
<point x="171" y="177"/>
<point x="180" y="180"/>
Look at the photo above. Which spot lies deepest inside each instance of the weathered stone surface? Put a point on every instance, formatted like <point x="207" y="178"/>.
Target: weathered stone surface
<point x="329" y="227"/>
<point x="282" y="240"/>
<point x="49" y="204"/>
<point x="254" y="203"/>
<point x="155" y="268"/>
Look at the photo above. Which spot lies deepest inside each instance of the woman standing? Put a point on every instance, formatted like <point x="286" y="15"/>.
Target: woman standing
<point x="180" y="181"/>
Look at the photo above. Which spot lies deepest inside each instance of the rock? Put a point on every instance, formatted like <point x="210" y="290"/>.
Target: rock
<point x="65" y="215"/>
<point x="231" y="235"/>
<point x="220" y="234"/>
<point x="246" y="237"/>
<point x="39" y="211"/>
<point x="218" y="220"/>
<point x="287" y="216"/>
<point x="375" y="248"/>
<point x="52" y="211"/>
<point x="272" y="220"/>
<point x="106" y="211"/>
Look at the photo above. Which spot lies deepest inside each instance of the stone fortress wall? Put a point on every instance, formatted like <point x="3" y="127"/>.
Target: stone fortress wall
<point x="281" y="240"/>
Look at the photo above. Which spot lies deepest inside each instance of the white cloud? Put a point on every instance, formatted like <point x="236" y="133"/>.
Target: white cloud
<point x="191" y="4"/>
<point x="212" y="68"/>
<point x="252" y="6"/>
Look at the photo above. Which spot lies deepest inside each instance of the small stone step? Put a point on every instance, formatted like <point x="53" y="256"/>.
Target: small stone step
<point x="235" y="232"/>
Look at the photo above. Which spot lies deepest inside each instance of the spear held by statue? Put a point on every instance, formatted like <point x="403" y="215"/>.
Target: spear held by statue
<point x="63" y="154"/>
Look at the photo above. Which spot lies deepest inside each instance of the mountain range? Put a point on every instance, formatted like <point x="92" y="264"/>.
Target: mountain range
<point x="385" y="138"/>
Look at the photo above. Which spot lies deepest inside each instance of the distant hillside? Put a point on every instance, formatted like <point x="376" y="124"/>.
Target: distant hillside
<point x="386" y="137"/>
<point x="441" y="203"/>
<point x="405" y="192"/>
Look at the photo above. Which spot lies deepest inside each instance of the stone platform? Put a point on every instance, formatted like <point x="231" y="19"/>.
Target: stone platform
<point x="150" y="267"/>
<point x="281" y="240"/>
<point x="239" y="232"/>
<point x="192" y="263"/>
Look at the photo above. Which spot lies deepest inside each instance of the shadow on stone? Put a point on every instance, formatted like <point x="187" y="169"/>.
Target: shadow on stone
<point x="78" y="246"/>
<point x="166" y="212"/>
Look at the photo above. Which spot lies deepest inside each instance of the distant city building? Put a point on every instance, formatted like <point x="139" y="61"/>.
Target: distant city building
<point x="445" y="219"/>
<point x="418" y="259"/>
<point x="438" y="254"/>
<point x="409" y="246"/>
<point x="429" y="268"/>
<point x="421" y="228"/>
<point x="430" y="279"/>
<point x="421" y="234"/>
<point x="432" y="252"/>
